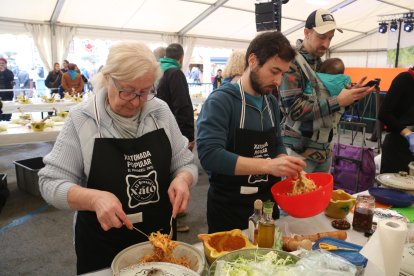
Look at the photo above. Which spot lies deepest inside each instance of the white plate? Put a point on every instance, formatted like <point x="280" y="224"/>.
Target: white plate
<point x="394" y="180"/>
<point x="131" y="255"/>
<point x="157" y="268"/>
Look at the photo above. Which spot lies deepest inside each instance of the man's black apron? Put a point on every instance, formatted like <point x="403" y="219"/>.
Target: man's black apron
<point x="137" y="172"/>
<point x="230" y="198"/>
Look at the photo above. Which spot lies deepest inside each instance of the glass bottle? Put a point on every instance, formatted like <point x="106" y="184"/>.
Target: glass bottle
<point x="364" y="213"/>
<point x="254" y="221"/>
<point x="266" y="233"/>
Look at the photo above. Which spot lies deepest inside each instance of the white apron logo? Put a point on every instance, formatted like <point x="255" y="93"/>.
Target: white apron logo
<point x="142" y="189"/>
<point x="260" y="151"/>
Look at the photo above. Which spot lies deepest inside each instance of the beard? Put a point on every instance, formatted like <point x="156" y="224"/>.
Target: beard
<point x="257" y="84"/>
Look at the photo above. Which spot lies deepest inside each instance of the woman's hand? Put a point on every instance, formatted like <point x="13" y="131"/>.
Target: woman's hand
<point x="179" y="192"/>
<point x="109" y="211"/>
<point x="106" y="205"/>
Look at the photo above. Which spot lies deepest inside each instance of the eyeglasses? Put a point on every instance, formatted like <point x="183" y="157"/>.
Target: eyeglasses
<point x="128" y="94"/>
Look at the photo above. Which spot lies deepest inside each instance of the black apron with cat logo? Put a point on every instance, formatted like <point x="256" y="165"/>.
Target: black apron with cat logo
<point x="230" y="198"/>
<point x="136" y="171"/>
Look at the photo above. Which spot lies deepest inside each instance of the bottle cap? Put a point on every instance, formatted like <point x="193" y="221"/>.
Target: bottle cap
<point x="258" y="204"/>
<point x="268" y="207"/>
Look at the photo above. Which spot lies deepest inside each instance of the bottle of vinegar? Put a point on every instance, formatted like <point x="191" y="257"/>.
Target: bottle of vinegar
<point x="267" y="226"/>
<point x="254" y="221"/>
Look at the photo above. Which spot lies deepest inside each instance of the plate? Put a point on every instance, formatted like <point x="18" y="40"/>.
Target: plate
<point x="157" y="268"/>
<point x="395" y="180"/>
<point x="393" y="197"/>
<point x="130" y="256"/>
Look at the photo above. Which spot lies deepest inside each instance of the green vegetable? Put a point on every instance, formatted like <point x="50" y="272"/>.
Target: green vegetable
<point x="261" y="265"/>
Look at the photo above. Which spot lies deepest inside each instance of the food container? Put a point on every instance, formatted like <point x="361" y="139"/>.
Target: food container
<point x="62" y="114"/>
<point x="220" y="243"/>
<point x="353" y="257"/>
<point x="38" y="126"/>
<point x="308" y="204"/>
<point x="131" y="255"/>
<point x="363" y="213"/>
<point x="340" y="204"/>
<point x="251" y="254"/>
<point x="400" y="181"/>
<point x="156" y="268"/>
<point x="411" y="168"/>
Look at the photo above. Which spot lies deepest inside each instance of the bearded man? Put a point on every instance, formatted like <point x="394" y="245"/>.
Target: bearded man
<point x="238" y="136"/>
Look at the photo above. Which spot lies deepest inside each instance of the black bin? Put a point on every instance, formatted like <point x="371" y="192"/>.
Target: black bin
<point x="26" y="174"/>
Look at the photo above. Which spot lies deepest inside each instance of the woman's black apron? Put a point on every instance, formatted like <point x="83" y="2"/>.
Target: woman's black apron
<point x="137" y="172"/>
<point x="230" y="198"/>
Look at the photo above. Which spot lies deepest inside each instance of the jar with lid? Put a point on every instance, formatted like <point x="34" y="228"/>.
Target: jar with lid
<point x="364" y="213"/>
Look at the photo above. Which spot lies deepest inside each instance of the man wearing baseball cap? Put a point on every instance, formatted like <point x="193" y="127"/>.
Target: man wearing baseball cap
<point x="6" y="82"/>
<point x="310" y="119"/>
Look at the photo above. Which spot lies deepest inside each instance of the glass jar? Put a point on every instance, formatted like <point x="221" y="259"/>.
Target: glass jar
<point x="364" y="213"/>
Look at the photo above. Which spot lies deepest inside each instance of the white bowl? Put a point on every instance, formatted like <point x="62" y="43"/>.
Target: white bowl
<point x="131" y="255"/>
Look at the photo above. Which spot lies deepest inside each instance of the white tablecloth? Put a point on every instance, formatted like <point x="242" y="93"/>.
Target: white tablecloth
<point x="17" y="134"/>
<point x="36" y="106"/>
<point x="319" y="223"/>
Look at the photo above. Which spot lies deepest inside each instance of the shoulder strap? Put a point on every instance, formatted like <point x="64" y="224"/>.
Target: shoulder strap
<point x="317" y="86"/>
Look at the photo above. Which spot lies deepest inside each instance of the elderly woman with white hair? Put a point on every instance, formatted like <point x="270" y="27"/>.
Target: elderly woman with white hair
<point x="120" y="161"/>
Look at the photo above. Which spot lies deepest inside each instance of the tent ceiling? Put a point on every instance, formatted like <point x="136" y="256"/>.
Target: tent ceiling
<point x="227" y="20"/>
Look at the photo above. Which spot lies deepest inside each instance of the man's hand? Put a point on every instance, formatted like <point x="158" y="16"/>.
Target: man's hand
<point x="348" y="96"/>
<point x="285" y="165"/>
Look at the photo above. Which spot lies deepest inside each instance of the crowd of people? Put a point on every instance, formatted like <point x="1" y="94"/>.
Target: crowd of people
<point x="125" y="156"/>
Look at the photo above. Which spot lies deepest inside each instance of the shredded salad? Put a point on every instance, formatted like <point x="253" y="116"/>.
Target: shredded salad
<point x="261" y="265"/>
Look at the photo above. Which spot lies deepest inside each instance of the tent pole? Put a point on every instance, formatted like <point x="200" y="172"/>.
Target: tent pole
<point x="398" y="43"/>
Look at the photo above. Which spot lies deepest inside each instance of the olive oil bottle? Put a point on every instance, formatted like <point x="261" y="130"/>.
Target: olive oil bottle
<point x="267" y="226"/>
<point x="254" y="221"/>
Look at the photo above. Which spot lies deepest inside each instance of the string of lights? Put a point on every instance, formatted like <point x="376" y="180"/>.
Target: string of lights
<point x="394" y="21"/>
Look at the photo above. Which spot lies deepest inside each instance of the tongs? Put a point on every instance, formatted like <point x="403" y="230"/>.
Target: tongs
<point x="170" y="235"/>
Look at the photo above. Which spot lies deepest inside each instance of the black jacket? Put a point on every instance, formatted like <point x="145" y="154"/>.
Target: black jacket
<point x="53" y="79"/>
<point x="173" y="89"/>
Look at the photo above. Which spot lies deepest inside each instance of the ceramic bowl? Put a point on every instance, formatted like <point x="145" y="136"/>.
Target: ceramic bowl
<point x="340" y="204"/>
<point x="38" y="126"/>
<point x="130" y="256"/>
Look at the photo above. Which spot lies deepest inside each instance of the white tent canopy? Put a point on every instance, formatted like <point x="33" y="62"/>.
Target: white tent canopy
<point x="210" y="23"/>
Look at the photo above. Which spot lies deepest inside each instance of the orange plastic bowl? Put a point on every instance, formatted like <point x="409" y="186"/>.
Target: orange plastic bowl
<point x="308" y="204"/>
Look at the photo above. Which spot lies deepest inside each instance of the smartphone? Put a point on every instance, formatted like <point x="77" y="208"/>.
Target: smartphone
<point x="374" y="82"/>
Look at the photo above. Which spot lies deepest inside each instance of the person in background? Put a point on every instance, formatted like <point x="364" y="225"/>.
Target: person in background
<point x="173" y="89"/>
<point x="397" y="112"/>
<point x="72" y="81"/>
<point x="54" y="79"/>
<point x="24" y="83"/>
<point x="331" y="73"/>
<point x="120" y="153"/>
<point x="218" y="79"/>
<point x="238" y="136"/>
<point x="6" y="82"/>
<point x="195" y="74"/>
<point x="159" y="52"/>
<point x="234" y="67"/>
<point x="65" y="66"/>
<point x="310" y="120"/>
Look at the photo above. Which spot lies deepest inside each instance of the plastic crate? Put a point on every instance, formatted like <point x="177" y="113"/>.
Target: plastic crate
<point x="26" y="174"/>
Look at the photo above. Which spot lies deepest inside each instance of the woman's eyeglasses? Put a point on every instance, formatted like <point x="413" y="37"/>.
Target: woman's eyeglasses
<point x="128" y="94"/>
